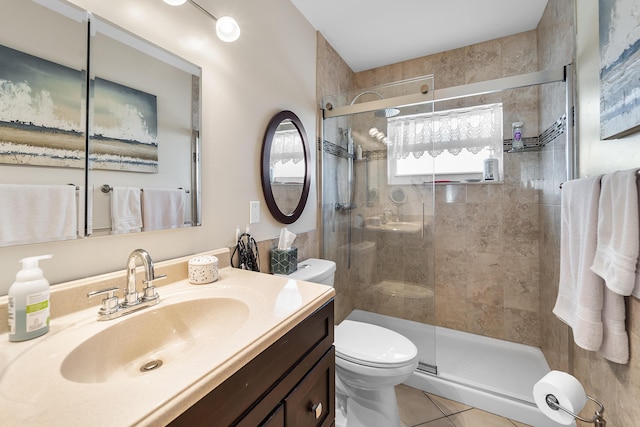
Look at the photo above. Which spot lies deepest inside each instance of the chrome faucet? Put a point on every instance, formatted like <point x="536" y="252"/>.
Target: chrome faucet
<point x="131" y="301"/>
<point x="149" y="291"/>
<point x="388" y="215"/>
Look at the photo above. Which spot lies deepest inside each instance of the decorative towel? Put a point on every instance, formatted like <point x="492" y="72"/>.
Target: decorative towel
<point x="581" y="292"/>
<point x="126" y="210"/>
<point x="163" y="208"/>
<point x="37" y="213"/>
<point x="618" y="230"/>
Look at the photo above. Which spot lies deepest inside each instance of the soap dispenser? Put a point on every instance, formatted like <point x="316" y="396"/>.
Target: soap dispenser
<point x="29" y="302"/>
<point x="490" y="171"/>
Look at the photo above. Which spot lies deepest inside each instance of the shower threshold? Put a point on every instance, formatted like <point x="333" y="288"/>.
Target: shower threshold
<point x="494" y="375"/>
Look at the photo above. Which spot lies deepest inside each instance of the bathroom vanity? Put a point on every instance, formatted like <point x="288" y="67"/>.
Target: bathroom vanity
<point x="291" y="383"/>
<point x="248" y="350"/>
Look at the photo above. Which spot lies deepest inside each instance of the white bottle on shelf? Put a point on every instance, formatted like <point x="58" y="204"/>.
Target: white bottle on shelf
<point x="490" y="170"/>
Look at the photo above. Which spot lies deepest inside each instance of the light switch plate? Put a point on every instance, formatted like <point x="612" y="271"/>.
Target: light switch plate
<point x="254" y="212"/>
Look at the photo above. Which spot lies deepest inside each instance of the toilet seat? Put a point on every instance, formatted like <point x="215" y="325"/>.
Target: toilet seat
<point x="372" y="345"/>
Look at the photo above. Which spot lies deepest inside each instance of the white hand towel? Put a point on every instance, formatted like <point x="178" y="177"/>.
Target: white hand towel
<point x="581" y="292"/>
<point x="37" y="213"/>
<point x="126" y="210"/>
<point x="618" y="230"/>
<point x="163" y="208"/>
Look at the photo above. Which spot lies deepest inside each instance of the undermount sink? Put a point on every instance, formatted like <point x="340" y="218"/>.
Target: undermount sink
<point x="153" y="339"/>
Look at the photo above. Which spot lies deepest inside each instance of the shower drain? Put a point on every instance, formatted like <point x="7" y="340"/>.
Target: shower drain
<point x="150" y="366"/>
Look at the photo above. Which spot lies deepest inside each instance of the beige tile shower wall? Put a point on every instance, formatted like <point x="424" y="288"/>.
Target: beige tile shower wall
<point x="486" y="246"/>
<point x="487" y="258"/>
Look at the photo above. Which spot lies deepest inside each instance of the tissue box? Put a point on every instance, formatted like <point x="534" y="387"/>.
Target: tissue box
<point x="284" y="261"/>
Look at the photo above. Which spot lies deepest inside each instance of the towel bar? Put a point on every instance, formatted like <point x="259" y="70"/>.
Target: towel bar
<point x="637" y="174"/>
<point x="106" y="189"/>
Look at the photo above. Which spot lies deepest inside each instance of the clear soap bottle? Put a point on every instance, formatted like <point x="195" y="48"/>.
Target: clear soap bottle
<point x="29" y="302"/>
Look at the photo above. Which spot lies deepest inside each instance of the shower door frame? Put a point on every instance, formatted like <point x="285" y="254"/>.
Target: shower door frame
<point x="563" y="74"/>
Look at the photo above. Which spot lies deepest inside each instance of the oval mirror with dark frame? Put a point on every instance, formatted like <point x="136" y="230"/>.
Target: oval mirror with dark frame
<point x="284" y="167"/>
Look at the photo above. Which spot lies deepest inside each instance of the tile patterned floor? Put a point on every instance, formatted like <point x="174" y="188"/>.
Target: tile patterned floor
<point x="420" y="409"/>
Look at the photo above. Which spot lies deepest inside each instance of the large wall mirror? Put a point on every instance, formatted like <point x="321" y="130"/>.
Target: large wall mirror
<point x="285" y="169"/>
<point x="96" y="124"/>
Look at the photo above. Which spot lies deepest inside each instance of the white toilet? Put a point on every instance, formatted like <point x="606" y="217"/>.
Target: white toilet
<point x="370" y="362"/>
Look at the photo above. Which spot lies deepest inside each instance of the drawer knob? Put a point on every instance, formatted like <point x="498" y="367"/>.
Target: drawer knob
<point x="317" y="410"/>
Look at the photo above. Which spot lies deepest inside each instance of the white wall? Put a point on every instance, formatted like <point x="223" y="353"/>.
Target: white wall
<point x="270" y="68"/>
<point x="596" y="156"/>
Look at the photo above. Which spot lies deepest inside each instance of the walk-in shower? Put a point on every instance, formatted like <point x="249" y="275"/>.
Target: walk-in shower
<point x="424" y="246"/>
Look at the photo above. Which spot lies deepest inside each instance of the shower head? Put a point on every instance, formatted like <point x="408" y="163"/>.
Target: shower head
<point x="386" y="113"/>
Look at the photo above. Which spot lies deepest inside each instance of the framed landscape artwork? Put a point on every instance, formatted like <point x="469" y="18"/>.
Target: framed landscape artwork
<point x="619" y="67"/>
<point x="124" y="129"/>
<point x="41" y="118"/>
<point x="40" y="112"/>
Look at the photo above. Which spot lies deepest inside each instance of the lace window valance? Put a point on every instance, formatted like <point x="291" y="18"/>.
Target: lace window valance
<point x="472" y="129"/>
<point x="286" y="146"/>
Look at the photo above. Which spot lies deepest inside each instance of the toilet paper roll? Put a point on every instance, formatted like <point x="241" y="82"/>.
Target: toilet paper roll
<point x="567" y="390"/>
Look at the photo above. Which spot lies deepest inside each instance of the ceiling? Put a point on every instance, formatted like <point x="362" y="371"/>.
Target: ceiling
<point x="372" y="33"/>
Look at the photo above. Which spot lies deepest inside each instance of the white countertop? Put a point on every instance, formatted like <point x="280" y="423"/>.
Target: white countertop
<point x="33" y="390"/>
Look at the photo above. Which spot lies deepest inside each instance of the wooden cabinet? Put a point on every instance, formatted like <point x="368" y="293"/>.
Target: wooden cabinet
<point x="276" y="419"/>
<point x="310" y="403"/>
<point x="291" y="383"/>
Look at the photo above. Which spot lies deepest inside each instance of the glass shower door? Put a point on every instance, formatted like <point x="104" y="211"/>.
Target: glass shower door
<point x="377" y="228"/>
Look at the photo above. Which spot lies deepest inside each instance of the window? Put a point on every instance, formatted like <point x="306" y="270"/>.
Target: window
<point x="451" y="144"/>
<point x="287" y="156"/>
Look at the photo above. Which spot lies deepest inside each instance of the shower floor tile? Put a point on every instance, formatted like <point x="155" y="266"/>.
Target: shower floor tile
<point x="420" y="409"/>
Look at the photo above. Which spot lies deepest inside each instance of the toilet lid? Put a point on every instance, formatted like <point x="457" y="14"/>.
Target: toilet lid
<point x="372" y="345"/>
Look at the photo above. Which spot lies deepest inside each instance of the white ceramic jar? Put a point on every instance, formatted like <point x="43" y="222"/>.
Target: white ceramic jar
<point x="203" y="269"/>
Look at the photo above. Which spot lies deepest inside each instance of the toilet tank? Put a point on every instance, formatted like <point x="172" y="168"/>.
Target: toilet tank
<point x="314" y="270"/>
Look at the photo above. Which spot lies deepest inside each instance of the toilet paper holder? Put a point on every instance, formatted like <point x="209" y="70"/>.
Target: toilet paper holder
<point x="597" y="419"/>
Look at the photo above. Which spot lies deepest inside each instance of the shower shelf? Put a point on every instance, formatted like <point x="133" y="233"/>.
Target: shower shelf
<point x="536" y="143"/>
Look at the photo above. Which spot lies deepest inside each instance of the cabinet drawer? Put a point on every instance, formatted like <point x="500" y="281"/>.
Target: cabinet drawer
<point x="311" y="403"/>
<point x="276" y="419"/>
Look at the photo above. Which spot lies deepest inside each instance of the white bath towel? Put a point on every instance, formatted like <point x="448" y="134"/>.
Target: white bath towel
<point x="37" y="213"/>
<point x="126" y="210"/>
<point x="618" y="230"/>
<point x="615" y="341"/>
<point x="163" y="208"/>
<point x="581" y="292"/>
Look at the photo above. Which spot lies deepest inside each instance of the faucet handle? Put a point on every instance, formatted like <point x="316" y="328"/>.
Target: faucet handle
<point x="150" y="292"/>
<point x="110" y="303"/>
<point x="149" y="282"/>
